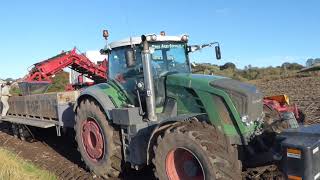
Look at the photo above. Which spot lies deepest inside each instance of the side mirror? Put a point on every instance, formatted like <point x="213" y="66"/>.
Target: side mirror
<point x="130" y="58"/>
<point x="104" y="51"/>
<point x="218" y="52"/>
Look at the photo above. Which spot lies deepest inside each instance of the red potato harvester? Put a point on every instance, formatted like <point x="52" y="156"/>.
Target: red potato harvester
<point x="40" y="76"/>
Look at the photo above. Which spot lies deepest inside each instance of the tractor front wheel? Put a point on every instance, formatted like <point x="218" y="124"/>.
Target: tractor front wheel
<point x="195" y="150"/>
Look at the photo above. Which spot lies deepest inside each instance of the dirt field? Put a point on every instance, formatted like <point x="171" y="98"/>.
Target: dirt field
<point x="59" y="154"/>
<point x="56" y="154"/>
<point x="304" y="91"/>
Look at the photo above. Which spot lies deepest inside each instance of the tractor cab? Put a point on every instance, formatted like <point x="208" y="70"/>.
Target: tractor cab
<point x="168" y="55"/>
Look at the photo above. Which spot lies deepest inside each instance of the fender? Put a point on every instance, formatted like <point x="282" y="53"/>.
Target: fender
<point x="98" y="95"/>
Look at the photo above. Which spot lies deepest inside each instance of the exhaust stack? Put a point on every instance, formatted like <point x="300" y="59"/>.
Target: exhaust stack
<point x="148" y="80"/>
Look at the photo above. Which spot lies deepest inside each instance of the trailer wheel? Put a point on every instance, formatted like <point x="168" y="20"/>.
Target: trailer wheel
<point x="98" y="143"/>
<point x="23" y="132"/>
<point x="195" y="151"/>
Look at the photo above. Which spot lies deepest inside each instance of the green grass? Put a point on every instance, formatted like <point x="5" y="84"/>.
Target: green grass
<point x="12" y="167"/>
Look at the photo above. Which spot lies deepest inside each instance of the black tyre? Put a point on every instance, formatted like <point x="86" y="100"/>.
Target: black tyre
<point x="23" y="132"/>
<point x="195" y="150"/>
<point x="98" y="143"/>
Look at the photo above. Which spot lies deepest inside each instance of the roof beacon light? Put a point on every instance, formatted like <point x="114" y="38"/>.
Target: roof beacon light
<point x="162" y="33"/>
<point x="185" y="38"/>
<point x="105" y="34"/>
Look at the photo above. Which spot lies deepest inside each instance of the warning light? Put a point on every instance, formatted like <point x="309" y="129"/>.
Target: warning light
<point x="105" y="34"/>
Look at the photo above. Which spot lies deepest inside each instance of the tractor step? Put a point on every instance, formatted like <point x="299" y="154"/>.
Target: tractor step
<point x="30" y="122"/>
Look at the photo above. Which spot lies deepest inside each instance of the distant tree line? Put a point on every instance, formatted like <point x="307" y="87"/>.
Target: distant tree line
<point x="249" y="72"/>
<point x="311" y="61"/>
<point x="292" y="66"/>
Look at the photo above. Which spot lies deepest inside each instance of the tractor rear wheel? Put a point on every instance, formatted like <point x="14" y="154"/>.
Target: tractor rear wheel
<point x="98" y="143"/>
<point x="195" y="150"/>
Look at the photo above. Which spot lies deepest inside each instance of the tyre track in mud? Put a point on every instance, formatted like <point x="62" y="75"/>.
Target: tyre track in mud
<point x="58" y="155"/>
<point x="46" y="155"/>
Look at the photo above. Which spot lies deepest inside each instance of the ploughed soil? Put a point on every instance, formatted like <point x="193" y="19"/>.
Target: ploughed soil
<point x="60" y="156"/>
<point x="56" y="154"/>
<point x="303" y="91"/>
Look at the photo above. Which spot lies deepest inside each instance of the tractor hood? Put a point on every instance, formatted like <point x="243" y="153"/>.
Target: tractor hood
<point x="246" y="98"/>
<point x="192" y="80"/>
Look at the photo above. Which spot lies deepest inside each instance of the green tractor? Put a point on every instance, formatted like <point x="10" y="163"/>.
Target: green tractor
<point x="154" y="111"/>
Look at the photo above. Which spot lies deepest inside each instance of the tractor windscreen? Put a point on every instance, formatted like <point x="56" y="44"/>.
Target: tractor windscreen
<point x="166" y="57"/>
<point x="169" y="57"/>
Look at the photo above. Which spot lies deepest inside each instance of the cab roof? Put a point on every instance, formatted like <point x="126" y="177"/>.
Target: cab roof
<point x="137" y="40"/>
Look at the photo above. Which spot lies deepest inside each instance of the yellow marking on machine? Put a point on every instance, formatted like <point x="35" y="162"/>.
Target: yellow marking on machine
<point x="294" y="153"/>
<point x="290" y="177"/>
<point x="282" y="99"/>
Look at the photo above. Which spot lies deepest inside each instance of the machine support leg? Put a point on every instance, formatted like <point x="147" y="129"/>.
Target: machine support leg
<point x="58" y="129"/>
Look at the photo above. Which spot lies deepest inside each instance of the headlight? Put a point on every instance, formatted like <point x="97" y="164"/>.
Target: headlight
<point x="152" y="37"/>
<point x="105" y="34"/>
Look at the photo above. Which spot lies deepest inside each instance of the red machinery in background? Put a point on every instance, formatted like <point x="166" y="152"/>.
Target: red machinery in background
<point x="40" y="76"/>
<point x="280" y="104"/>
<point x="43" y="71"/>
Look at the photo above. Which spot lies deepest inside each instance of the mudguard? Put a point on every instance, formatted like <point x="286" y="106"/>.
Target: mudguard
<point x="99" y="94"/>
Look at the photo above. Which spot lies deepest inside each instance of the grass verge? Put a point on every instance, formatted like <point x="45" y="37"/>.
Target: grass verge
<point x="12" y="167"/>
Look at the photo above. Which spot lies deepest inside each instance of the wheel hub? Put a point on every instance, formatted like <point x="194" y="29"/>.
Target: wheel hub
<point x="92" y="139"/>
<point x="182" y="164"/>
<point x="190" y="167"/>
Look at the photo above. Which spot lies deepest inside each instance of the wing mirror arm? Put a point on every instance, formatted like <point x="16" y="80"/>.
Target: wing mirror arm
<point x="194" y="48"/>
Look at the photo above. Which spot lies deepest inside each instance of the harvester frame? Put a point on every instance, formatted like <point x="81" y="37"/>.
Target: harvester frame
<point x="43" y="71"/>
